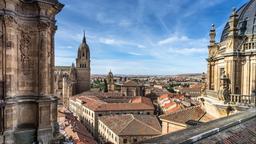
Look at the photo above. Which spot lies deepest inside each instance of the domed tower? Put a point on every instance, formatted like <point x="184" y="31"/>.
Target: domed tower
<point x="232" y="61"/>
<point x="110" y="81"/>
<point x="83" y="67"/>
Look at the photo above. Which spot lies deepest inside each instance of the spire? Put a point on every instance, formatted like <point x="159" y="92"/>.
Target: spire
<point x="84" y="39"/>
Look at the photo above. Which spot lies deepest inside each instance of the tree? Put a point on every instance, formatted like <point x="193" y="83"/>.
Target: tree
<point x="105" y="86"/>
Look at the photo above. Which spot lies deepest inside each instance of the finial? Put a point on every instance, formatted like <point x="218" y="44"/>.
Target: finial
<point x="233" y="10"/>
<point x="84" y="39"/>
<point x="213" y="27"/>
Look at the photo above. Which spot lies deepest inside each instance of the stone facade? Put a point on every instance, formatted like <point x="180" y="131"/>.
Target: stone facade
<point x="27" y="31"/>
<point x="234" y="57"/>
<point x="73" y="80"/>
<point x="132" y="88"/>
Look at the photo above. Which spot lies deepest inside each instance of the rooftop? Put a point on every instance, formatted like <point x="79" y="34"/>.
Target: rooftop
<point x="239" y="128"/>
<point x="184" y="115"/>
<point x="132" y="124"/>
<point x="96" y="104"/>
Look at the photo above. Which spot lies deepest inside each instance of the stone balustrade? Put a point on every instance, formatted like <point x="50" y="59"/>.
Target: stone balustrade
<point x="243" y="99"/>
<point x="249" y="46"/>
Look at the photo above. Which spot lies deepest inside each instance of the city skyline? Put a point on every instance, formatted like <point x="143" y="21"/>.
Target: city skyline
<point x="141" y="37"/>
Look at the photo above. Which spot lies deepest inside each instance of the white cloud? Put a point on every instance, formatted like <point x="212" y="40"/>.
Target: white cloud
<point x="134" y="53"/>
<point x="173" y="39"/>
<point x="183" y="45"/>
<point x="111" y="41"/>
<point x="125" y="23"/>
<point x="118" y="42"/>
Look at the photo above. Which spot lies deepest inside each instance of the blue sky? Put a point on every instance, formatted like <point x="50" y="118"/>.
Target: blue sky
<point x="141" y="36"/>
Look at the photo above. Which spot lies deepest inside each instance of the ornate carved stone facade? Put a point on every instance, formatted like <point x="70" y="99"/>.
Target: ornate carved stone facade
<point x="73" y="80"/>
<point x="234" y="57"/>
<point x="28" y="107"/>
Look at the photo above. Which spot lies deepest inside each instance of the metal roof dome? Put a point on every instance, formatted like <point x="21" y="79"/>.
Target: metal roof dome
<point x="246" y="21"/>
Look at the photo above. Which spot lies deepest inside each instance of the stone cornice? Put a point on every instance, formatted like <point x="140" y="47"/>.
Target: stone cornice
<point x="30" y="98"/>
<point x="35" y="16"/>
<point x="242" y="54"/>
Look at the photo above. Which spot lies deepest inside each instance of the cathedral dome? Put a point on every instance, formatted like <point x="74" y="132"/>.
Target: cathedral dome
<point x="246" y="21"/>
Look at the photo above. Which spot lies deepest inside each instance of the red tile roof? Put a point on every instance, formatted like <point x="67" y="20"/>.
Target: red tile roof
<point x="98" y="105"/>
<point x="171" y="103"/>
<point x="132" y="125"/>
<point x="184" y="115"/>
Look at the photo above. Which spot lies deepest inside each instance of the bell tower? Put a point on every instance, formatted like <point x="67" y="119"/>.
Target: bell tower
<point x="83" y="67"/>
<point x="83" y="55"/>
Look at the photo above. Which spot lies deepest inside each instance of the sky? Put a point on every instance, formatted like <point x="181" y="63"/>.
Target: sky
<point x="144" y="37"/>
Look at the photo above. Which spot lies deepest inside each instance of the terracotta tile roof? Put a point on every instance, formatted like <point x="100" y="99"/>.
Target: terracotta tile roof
<point x="177" y="108"/>
<point x="98" y="105"/>
<point x="132" y="124"/>
<point x="171" y="103"/>
<point x="184" y="115"/>
<point x="124" y="106"/>
<point x="74" y="128"/>
<point x="164" y="96"/>
<point x="100" y="94"/>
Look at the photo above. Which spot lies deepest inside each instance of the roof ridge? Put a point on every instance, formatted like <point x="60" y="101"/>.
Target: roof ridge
<point x="127" y="123"/>
<point x="147" y="125"/>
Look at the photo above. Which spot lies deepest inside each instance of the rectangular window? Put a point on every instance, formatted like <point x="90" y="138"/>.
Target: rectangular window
<point x="125" y="141"/>
<point x="135" y="140"/>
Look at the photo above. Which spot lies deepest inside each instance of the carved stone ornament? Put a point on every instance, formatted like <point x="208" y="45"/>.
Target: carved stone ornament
<point x="9" y="20"/>
<point x="213" y="52"/>
<point x="43" y="25"/>
<point x="25" y="43"/>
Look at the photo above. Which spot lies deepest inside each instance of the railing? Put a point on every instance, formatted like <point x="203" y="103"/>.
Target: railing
<point x="249" y="46"/>
<point x="243" y="99"/>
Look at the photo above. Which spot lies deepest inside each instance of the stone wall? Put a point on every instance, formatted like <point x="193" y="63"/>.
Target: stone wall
<point x="27" y="66"/>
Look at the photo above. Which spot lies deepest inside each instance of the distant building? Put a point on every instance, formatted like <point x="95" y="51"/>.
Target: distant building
<point x="190" y="91"/>
<point x="127" y="129"/>
<point x="132" y="88"/>
<point x="110" y="82"/>
<point x="73" y="80"/>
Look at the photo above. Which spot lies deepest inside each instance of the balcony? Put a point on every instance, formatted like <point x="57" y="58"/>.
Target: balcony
<point x="249" y="46"/>
<point x="247" y="100"/>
